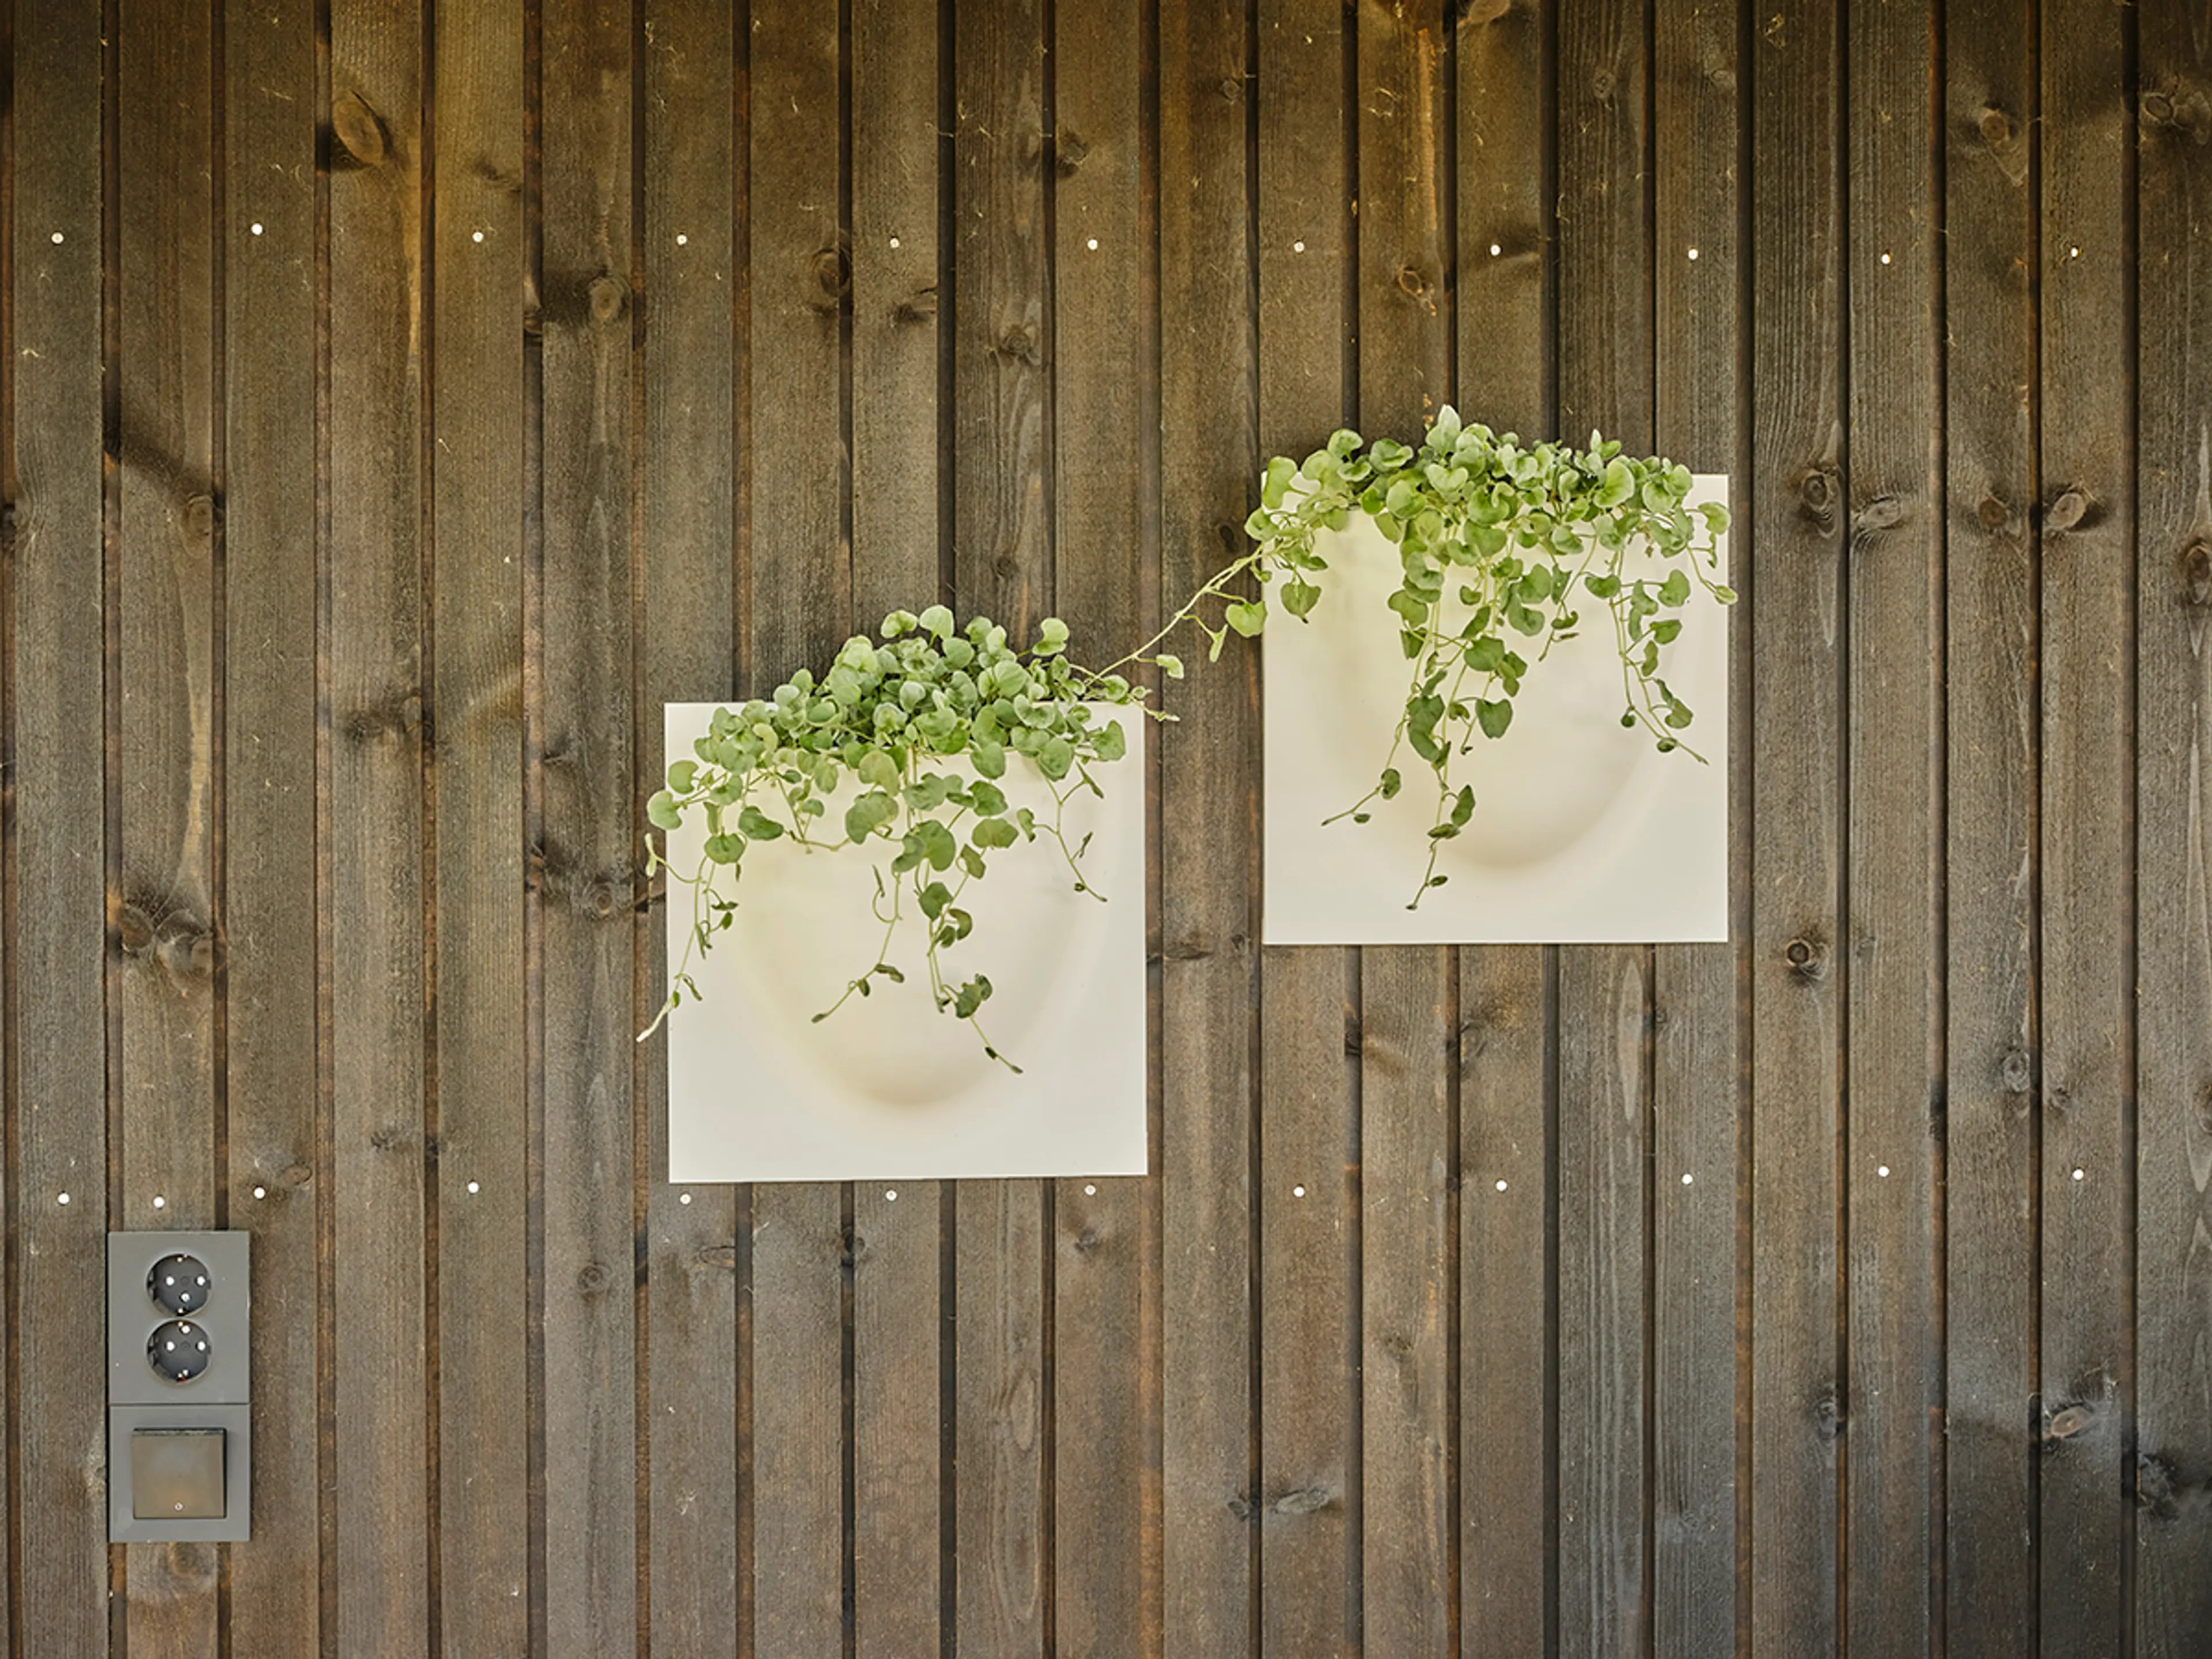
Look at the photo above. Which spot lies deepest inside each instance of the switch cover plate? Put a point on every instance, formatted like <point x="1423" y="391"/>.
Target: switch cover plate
<point x="180" y="1433"/>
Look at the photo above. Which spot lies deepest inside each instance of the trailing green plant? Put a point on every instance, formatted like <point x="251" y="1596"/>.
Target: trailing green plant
<point x="882" y="723"/>
<point x="1500" y="545"/>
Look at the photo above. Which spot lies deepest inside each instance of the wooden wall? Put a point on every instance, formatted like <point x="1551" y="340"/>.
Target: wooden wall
<point x="399" y="401"/>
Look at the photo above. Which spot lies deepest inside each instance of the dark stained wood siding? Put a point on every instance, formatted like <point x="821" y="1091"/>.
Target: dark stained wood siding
<point x="399" y="402"/>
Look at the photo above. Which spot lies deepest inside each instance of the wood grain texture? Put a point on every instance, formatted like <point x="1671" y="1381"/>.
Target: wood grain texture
<point x="485" y="1395"/>
<point x="2086" y="909"/>
<point x="1508" y="1094"/>
<point x="1792" y="509"/>
<point x="896" y="1406"/>
<point x="585" y="863"/>
<point x="1894" y="1500"/>
<point x="1002" y="525"/>
<point x="697" y="1244"/>
<point x="1308" y="1197"/>
<point x="1507" y="1302"/>
<point x="170" y="777"/>
<point x="1991" y="1116"/>
<point x="1002" y="1499"/>
<point x="1209" y="837"/>
<point x="1310" y="1489"/>
<point x="897" y="474"/>
<point x="271" y="942"/>
<point x="798" y="610"/>
<point x="1408" y="1234"/>
<point x="2172" y="1481"/>
<point x="1696" y="1073"/>
<point x="1605" y="382"/>
<point x="377" y="855"/>
<point x="1502" y="104"/>
<point x="1002" y="548"/>
<point x="1105" y="1540"/>
<point x="57" y="1058"/>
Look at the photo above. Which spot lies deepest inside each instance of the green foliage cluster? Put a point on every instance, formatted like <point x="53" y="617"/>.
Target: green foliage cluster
<point x="1501" y="545"/>
<point x="879" y="723"/>
<point x="1521" y="538"/>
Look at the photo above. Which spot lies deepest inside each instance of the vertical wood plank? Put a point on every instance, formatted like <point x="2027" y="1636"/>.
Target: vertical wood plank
<point x="1794" y="502"/>
<point x="1310" y="1537"/>
<point x="269" y="967"/>
<point x="1696" y="1095"/>
<point x="1209" y="832"/>
<point x="1407" y="1573"/>
<point x="376" y="851"/>
<point x="798" y="607"/>
<point x="1991" y="1120"/>
<point x="896" y="1410"/>
<point x="169" y="780"/>
<point x="896" y="1309"/>
<point x="2173" y="1475"/>
<point x="1606" y="368"/>
<point x="1508" y="1405"/>
<point x="1894" y="1335"/>
<point x="585" y="871"/>
<point x="476" y="476"/>
<point x="1308" y="1498"/>
<point x="698" y="1245"/>
<point x="57" y="1056"/>
<point x="1104" y="1532"/>
<point x="2086" y="470"/>
<point x="1002" y="529"/>
<point x="1602" y="1000"/>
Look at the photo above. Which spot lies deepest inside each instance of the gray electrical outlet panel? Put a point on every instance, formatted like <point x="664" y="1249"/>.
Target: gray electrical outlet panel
<point x="179" y="1396"/>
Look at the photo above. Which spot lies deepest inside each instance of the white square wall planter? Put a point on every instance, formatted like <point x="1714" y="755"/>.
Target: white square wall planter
<point x="888" y="1087"/>
<point x="1582" y="832"/>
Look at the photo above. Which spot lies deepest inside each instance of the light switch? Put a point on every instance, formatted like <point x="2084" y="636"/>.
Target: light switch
<point x="177" y="1474"/>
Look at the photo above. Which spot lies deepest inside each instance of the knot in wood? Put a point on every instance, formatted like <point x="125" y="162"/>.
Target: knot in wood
<point x="193" y="955"/>
<point x="1007" y="568"/>
<point x="592" y="1278"/>
<point x="296" y="1175"/>
<point x="1069" y="154"/>
<point x="832" y="271"/>
<point x="2065" y="1424"/>
<point x="1816" y="494"/>
<point x="601" y="901"/>
<point x="1086" y="1241"/>
<point x="2156" y="109"/>
<point x="1303" y="1500"/>
<point x="1015" y="343"/>
<point x="1188" y="947"/>
<point x="2067" y="511"/>
<point x="358" y="129"/>
<point x="1828" y="1416"/>
<point x="1603" y="82"/>
<point x="1880" y="513"/>
<point x="608" y="298"/>
<point x="919" y="308"/>
<point x="1413" y="281"/>
<point x="715" y="1256"/>
<point x="199" y="515"/>
<point x="1992" y="512"/>
<point x="2197" y="573"/>
<point x="2154" y="1485"/>
<point x="2016" y="1072"/>
<point x="1807" y="958"/>
<point x="1996" y="126"/>
<point x="133" y="928"/>
<point x="1232" y="88"/>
